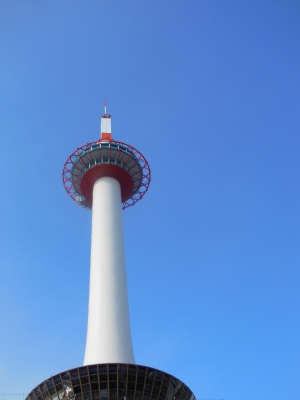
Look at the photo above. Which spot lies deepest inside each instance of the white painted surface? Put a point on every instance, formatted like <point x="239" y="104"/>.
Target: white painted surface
<point x="108" y="333"/>
<point x="105" y="125"/>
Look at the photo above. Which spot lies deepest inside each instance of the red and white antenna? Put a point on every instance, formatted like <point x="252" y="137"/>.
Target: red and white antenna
<point x="105" y="125"/>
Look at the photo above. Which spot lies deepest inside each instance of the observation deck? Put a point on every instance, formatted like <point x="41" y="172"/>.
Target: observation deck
<point x="106" y="158"/>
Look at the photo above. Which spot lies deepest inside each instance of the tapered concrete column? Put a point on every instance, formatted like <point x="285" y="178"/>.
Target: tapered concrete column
<point x="108" y="332"/>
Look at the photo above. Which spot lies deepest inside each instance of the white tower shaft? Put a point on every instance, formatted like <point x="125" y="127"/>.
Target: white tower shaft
<point x="108" y="332"/>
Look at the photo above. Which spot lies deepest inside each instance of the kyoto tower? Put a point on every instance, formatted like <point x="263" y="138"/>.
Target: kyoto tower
<point x="107" y="176"/>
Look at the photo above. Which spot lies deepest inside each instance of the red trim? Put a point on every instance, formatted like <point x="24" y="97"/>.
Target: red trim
<point x="112" y="171"/>
<point x="106" y="136"/>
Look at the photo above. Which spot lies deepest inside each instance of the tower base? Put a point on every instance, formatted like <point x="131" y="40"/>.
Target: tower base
<point x="112" y="382"/>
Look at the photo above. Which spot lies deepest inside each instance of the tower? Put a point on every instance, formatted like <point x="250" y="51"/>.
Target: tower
<point x="107" y="176"/>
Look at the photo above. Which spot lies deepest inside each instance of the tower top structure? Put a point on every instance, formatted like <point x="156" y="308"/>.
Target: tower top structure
<point x="106" y="157"/>
<point x="105" y="126"/>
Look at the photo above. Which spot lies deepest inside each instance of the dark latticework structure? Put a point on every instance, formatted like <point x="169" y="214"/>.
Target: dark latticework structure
<point x="112" y="382"/>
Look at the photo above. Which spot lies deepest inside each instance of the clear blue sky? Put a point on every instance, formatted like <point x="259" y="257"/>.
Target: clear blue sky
<point x="209" y="92"/>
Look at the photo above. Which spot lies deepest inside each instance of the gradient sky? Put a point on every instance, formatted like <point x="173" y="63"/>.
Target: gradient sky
<point x="209" y="92"/>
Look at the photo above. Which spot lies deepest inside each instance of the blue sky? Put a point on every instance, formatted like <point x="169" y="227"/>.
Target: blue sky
<point x="208" y="91"/>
